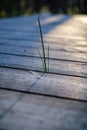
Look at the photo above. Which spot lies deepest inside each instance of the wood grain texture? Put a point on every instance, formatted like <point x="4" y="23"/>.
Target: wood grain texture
<point x="79" y="47"/>
<point x="31" y="99"/>
<point x="55" y="25"/>
<point x="27" y="111"/>
<point x="33" y="63"/>
<point x="63" y="54"/>
<point x="46" y="84"/>
<point x="17" y="79"/>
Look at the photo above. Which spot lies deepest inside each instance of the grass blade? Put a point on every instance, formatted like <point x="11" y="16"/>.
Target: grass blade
<point x="43" y="50"/>
<point x="41" y="58"/>
<point x="48" y="57"/>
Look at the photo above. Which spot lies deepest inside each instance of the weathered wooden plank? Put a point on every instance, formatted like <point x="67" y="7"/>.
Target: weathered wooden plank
<point x="45" y="18"/>
<point x="31" y="23"/>
<point x="28" y="39"/>
<point x="18" y="79"/>
<point x="62" y="86"/>
<point x="35" y="35"/>
<point x="59" y="53"/>
<point x="46" y="84"/>
<point x="33" y="63"/>
<point x="33" y="112"/>
<point x="57" y="47"/>
<point x="18" y="33"/>
<point x="65" y="45"/>
<point x="5" y="102"/>
<point x="52" y="25"/>
<point x="22" y="111"/>
<point x="23" y="21"/>
<point x="72" y="28"/>
<point x="31" y="19"/>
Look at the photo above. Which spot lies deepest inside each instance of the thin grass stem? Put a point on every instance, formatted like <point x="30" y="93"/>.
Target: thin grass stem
<point x="41" y="58"/>
<point x="43" y="50"/>
<point x="48" y="57"/>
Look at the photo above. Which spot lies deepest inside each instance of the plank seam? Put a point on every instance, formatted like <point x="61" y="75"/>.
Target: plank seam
<point x="57" y="59"/>
<point x="45" y="95"/>
<point x="17" y="68"/>
<point x="18" y="99"/>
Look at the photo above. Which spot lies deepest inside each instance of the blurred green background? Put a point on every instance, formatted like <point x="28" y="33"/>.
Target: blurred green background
<point x="10" y="8"/>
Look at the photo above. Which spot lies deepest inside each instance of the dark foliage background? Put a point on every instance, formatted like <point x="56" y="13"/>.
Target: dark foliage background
<point x="9" y="8"/>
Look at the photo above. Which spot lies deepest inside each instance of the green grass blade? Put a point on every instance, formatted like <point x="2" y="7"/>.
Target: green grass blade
<point x="43" y="50"/>
<point x="48" y="57"/>
<point x="41" y="59"/>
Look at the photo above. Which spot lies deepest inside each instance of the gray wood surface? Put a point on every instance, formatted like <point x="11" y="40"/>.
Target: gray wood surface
<point x="55" y="25"/>
<point x="33" y="112"/>
<point x="31" y="99"/>
<point x="31" y="39"/>
<point x="33" y="63"/>
<point x="69" y="51"/>
<point x="46" y="84"/>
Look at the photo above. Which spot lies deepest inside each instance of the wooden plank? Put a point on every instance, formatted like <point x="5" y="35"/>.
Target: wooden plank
<point x="73" y="28"/>
<point x="54" y="25"/>
<point x="30" y="20"/>
<point x="5" y="102"/>
<point x="18" y="79"/>
<point x="29" y="39"/>
<point x="33" y="63"/>
<point x="37" y="112"/>
<point x="46" y="84"/>
<point x="20" y="23"/>
<point x="35" y="36"/>
<point x="58" y="32"/>
<point x="66" y="45"/>
<point x="62" y="86"/>
<point x="59" y="53"/>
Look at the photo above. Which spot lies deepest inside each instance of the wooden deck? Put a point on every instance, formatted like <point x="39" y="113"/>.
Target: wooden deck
<point x="31" y="99"/>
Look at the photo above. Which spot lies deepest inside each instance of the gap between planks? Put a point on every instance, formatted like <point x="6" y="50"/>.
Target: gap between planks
<point x="55" y="66"/>
<point x="58" y="86"/>
<point x="29" y="51"/>
<point x="38" y="112"/>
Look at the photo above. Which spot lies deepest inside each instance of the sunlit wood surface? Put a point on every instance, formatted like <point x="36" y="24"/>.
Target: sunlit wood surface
<point x="31" y="99"/>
